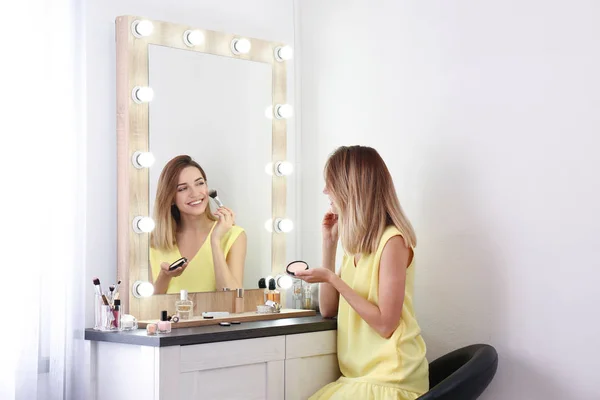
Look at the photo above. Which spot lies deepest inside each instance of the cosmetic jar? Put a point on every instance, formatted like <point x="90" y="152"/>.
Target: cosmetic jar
<point x="151" y="329"/>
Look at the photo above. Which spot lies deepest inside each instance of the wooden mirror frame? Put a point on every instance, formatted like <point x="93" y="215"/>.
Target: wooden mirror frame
<point x="133" y="135"/>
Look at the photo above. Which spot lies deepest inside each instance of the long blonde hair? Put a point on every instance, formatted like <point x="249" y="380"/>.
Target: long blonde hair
<point x="364" y="193"/>
<point x="166" y="213"/>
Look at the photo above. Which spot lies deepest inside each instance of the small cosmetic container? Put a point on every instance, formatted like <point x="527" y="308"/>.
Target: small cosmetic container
<point x="164" y="325"/>
<point x="128" y="322"/>
<point x="151" y="329"/>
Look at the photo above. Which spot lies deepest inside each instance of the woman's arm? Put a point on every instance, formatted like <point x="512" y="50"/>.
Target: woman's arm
<point x="384" y="318"/>
<point x="229" y="273"/>
<point x="161" y="284"/>
<point x="329" y="297"/>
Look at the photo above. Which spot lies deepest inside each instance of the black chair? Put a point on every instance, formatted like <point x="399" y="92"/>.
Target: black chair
<point x="462" y="374"/>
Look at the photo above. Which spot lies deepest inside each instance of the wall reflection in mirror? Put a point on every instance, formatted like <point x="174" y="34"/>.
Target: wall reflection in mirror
<point x="208" y="130"/>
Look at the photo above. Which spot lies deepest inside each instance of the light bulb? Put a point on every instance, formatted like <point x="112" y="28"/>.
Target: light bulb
<point x="142" y="94"/>
<point x="283" y="168"/>
<point x="240" y="46"/>
<point x="283" y="225"/>
<point x="143" y="224"/>
<point x="142" y="28"/>
<point x="269" y="225"/>
<point x="284" y="53"/>
<point x="141" y="159"/>
<point x="283" y="111"/>
<point x="193" y="38"/>
<point x="269" y="112"/>
<point x="284" y="281"/>
<point x="142" y="289"/>
<point x="269" y="168"/>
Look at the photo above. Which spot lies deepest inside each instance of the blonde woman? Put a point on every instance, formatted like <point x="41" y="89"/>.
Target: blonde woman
<point x="185" y="227"/>
<point x="381" y="352"/>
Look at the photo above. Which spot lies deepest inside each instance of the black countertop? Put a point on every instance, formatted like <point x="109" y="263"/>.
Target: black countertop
<point x="216" y="333"/>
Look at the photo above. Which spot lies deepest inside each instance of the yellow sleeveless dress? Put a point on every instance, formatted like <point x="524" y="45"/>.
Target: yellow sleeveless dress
<point x="199" y="276"/>
<point x="374" y="368"/>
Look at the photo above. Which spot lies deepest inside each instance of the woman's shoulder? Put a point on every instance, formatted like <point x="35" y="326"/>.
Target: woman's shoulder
<point x="233" y="232"/>
<point x="389" y="232"/>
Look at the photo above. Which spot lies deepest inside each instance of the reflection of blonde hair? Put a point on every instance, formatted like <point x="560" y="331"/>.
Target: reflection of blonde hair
<point x="166" y="213"/>
<point x="364" y="193"/>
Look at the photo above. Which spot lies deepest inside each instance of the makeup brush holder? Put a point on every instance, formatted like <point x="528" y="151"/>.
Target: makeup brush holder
<point x="97" y="311"/>
<point x="109" y="319"/>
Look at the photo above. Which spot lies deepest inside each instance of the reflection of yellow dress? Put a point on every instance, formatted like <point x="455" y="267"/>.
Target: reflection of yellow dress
<point x="375" y="368"/>
<point x="199" y="276"/>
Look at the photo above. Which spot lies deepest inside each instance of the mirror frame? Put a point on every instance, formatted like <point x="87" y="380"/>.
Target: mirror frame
<point x="133" y="135"/>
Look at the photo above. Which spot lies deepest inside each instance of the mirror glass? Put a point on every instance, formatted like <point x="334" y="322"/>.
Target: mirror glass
<point x="212" y="108"/>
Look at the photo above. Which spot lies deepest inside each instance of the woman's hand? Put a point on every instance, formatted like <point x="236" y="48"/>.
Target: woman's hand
<point x="330" y="229"/>
<point x="164" y="269"/>
<point x="226" y="221"/>
<point x="316" y="275"/>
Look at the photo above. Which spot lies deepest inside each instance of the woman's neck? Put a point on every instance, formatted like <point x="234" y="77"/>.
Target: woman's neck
<point x="195" y="223"/>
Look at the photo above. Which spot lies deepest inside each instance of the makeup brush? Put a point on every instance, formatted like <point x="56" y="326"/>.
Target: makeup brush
<point x="111" y="289"/>
<point x="213" y="194"/>
<point x="117" y="289"/>
<point x="99" y="291"/>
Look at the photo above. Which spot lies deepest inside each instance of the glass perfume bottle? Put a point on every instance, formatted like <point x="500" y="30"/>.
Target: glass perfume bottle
<point x="297" y="293"/>
<point x="308" y="297"/>
<point x="273" y="294"/>
<point x="184" y="307"/>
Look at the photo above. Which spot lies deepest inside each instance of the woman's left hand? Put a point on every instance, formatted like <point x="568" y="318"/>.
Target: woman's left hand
<point x="316" y="275"/>
<point x="226" y="221"/>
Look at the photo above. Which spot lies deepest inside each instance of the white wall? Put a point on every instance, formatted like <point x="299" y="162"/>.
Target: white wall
<point x="264" y="19"/>
<point x="487" y="115"/>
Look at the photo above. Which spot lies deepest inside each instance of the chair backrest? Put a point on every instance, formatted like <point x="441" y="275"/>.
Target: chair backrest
<point x="462" y="374"/>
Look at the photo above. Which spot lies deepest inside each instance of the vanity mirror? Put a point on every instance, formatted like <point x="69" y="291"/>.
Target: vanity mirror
<point x="221" y="100"/>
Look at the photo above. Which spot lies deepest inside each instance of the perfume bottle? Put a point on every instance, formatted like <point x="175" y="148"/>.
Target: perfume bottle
<point x="266" y="287"/>
<point x="308" y="297"/>
<point x="164" y="325"/>
<point x="272" y="293"/>
<point x="297" y="293"/>
<point x="239" y="301"/>
<point x="184" y="307"/>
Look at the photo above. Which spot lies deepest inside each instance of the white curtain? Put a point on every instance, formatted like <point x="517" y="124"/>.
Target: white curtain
<point x="42" y="156"/>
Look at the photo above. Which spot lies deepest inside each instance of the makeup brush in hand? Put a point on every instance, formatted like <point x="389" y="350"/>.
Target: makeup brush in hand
<point x="213" y="194"/>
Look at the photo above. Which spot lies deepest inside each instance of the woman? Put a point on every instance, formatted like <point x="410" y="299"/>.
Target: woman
<point x="381" y="353"/>
<point x="185" y="227"/>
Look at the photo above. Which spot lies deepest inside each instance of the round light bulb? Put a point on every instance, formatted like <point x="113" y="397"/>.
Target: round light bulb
<point x="143" y="224"/>
<point x="269" y="168"/>
<point x="142" y="28"/>
<point x="142" y="289"/>
<point x="284" y="281"/>
<point x="269" y="112"/>
<point x="142" y="94"/>
<point x="283" y="111"/>
<point x="240" y="46"/>
<point x="142" y="159"/>
<point x="283" y="225"/>
<point x="269" y="225"/>
<point x="193" y="38"/>
<point x="284" y="168"/>
<point x="284" y="53"/>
